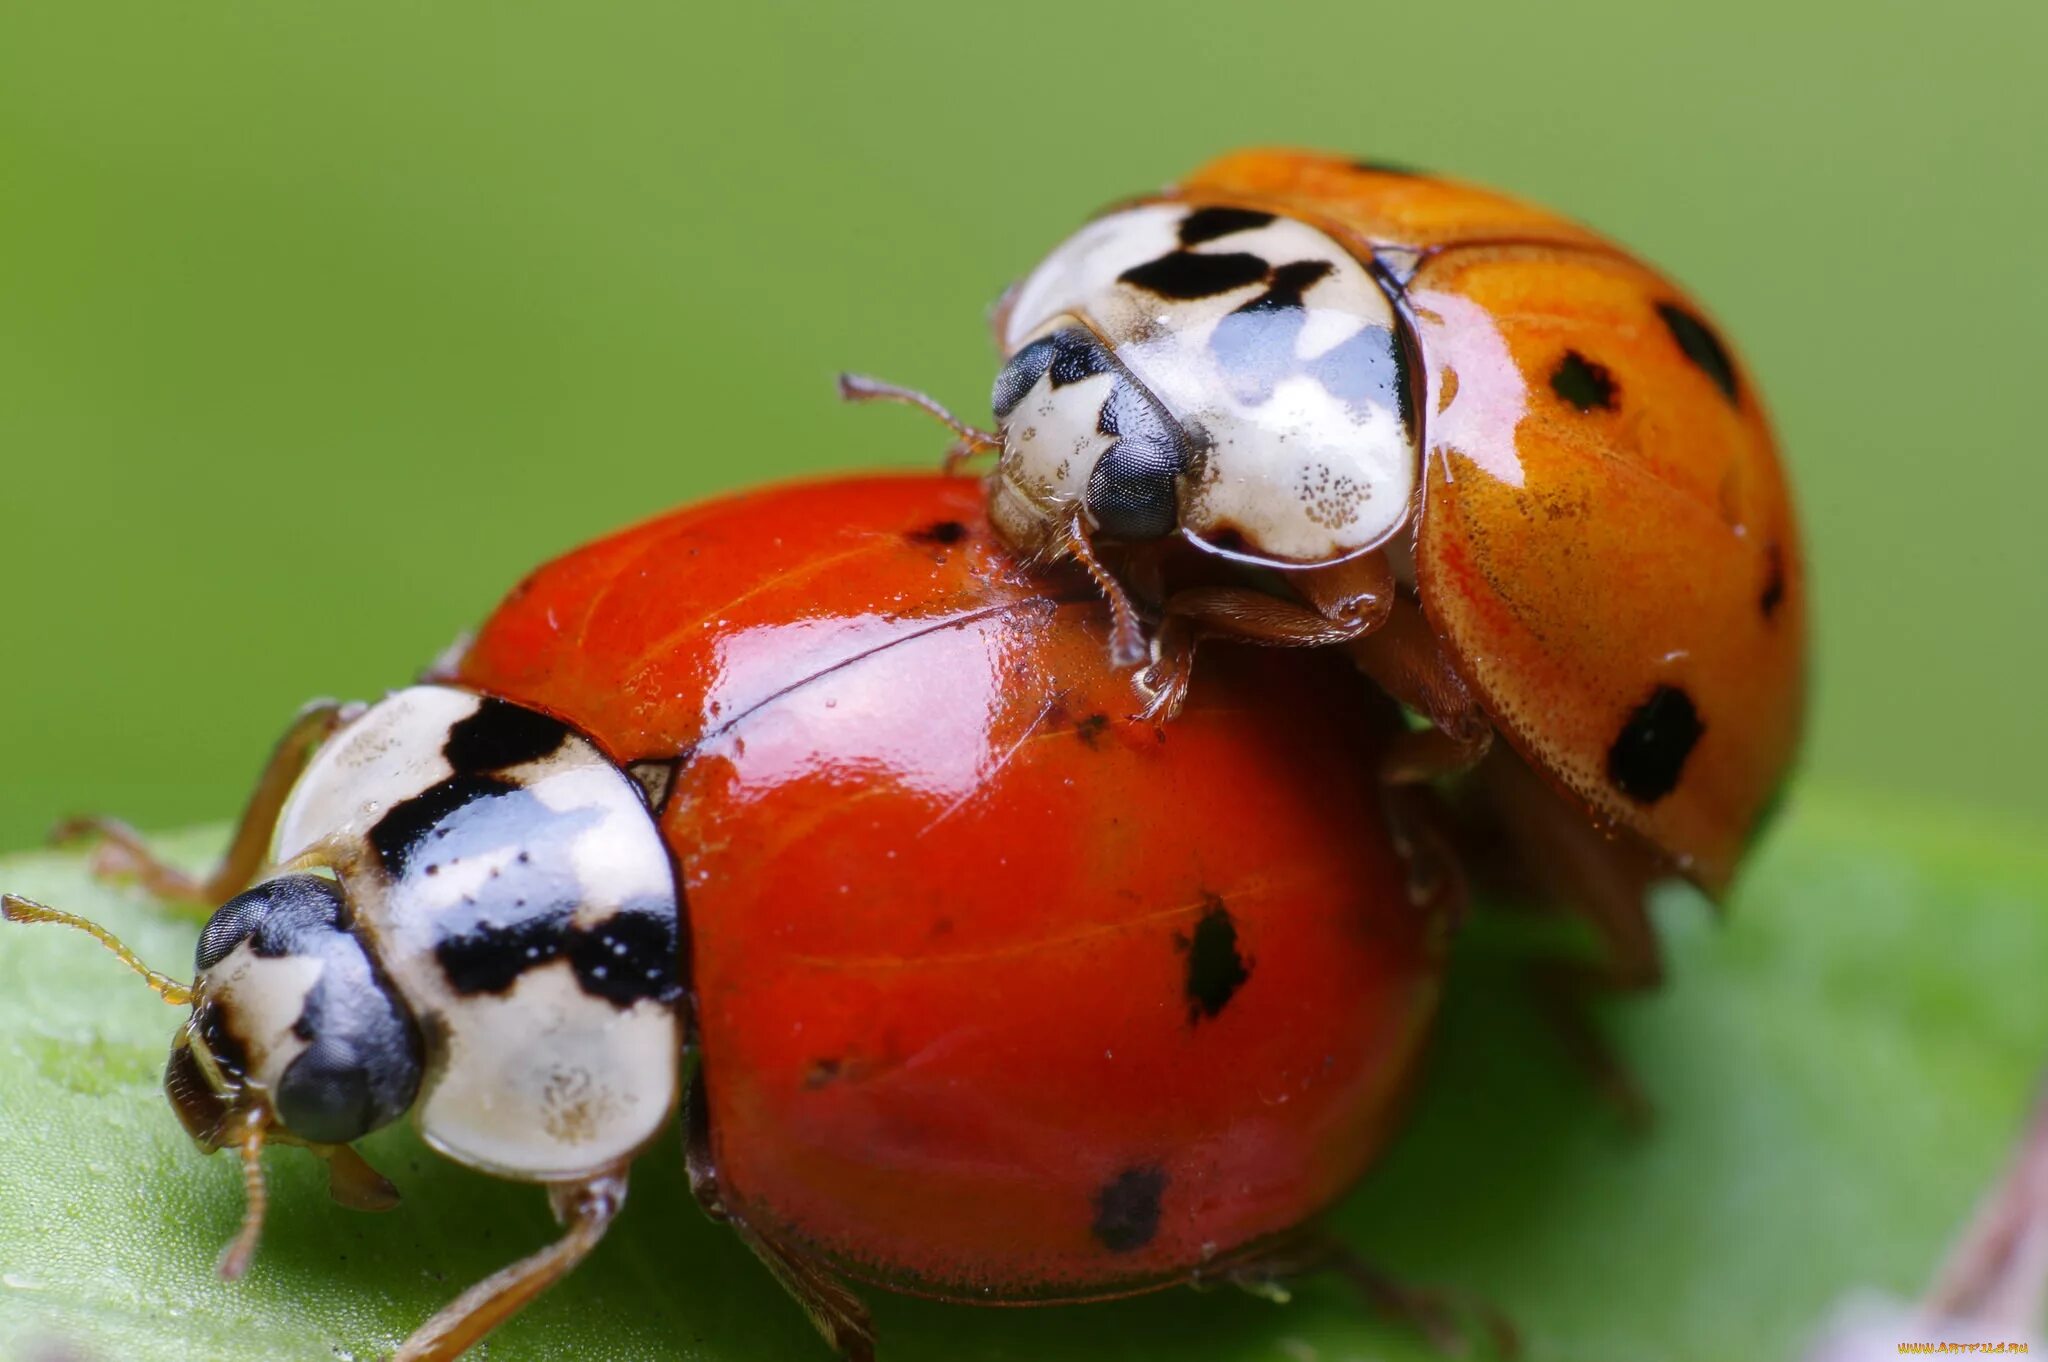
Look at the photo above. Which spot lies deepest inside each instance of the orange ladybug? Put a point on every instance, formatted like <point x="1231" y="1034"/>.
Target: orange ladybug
<point x="1517" y="473"/>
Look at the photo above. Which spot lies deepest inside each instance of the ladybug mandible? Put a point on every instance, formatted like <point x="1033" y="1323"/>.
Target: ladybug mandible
<point x="812" y="783"/>
<point x="1516" y="472"/>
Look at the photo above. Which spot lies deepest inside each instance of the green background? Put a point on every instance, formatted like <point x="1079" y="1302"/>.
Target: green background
<point x="319" y="325"/>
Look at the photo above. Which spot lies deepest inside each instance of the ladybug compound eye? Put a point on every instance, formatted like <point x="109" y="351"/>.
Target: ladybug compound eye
<point x="1079" y="431"/>
<point x="291" y="1005"/>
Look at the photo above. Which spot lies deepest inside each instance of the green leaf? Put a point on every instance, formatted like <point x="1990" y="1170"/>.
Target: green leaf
<point x="1839" y="1069"/>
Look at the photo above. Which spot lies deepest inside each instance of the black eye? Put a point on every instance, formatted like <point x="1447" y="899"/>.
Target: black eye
<point x="362" y="1069"/>
<point x="1132" y="490"/>
<point x="231" y="924"/>
<point x="325" y="1095"/>
<point x="279" y="917"/>
<point x="1019" y="376"/>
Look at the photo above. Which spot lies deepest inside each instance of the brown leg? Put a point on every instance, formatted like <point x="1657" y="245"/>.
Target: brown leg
<point x="1126" y="637"/>
<point x="1344" y="603"/>
<point x="352" y="1182"/>
<point x="253" y="1123"/>
<point x="1449" y="1321"/>
<point x="1407" y="661"/>
<point x="586" y="1208"/>
<point x="1606" y="880"/>
<point x="837" y="1314"/>
<point x="122" y="853"/>
<point x="834" y="1311"/>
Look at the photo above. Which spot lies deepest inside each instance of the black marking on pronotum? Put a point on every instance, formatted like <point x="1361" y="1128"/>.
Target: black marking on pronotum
<point x="655" y="779"/>
<point x="491" y="958"/>
<point x="1206" y="224"/>
<point x="942" y="533"/>
<point x="1700" y="345"/>
<point x="397" y="836"/>
<point x="630" y="956"/>
<point x="1196" y="274"/>
<point x="1215" y="968"/>
<point x="499" y="735"/>
<point x="1649" y="754"/>
<point x="1583" y="383"/>
<point x="1773" y="594"/>
<point x="1127" y="1208"/>
<point x="1254" y="344"/>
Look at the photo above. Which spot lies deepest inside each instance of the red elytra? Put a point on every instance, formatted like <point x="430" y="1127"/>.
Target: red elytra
<point x="969" y="948"/>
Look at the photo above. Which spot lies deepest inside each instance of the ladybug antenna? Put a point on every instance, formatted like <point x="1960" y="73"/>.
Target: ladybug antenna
<point x="234" y="1259"/>
<point x="17" y="909"/>
<point x="972" y="440"/>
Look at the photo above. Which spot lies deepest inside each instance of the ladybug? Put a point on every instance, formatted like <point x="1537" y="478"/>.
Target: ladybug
<point x="809" y="810"/>
<point x="1515" y="472"/>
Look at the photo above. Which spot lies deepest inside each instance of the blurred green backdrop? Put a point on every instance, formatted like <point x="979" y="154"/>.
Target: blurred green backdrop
<point x="319" y="326"/>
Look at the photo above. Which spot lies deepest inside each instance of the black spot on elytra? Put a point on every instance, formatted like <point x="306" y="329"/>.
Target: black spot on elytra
<point x="499" y="735"/>
<point x="398" y="835"/>
<point x="1649" y="754"/>
<point x="1774" y="581"/>
<point x="1374" y="166"/>
<point x="1215" y="969"/>
<point x="1091" y="729"/>
<point x="1127" y="1209"/>
<point x="1196" y="274"/>
<point x="943" y="533"/>
<point x="1700" y="345"/>
<point x="1582" y="383"/>
<point x="820" y="1073"/>
<point x="1206" y="224"/>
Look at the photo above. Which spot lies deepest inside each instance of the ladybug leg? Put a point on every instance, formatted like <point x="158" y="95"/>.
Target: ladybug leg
<point x="970" y="441"/>
<point x="1126" y="636"/>
<point x="837" y="1314"/>
<point x="834" y="1311"/>
<point x="123" y="854"/>
<point x="1406" y="659"/>
<point x="1343" y="604"/>
<point x="1450" y="1321"/>
<point x="586" y="1208"/>
<point x="1563" y="859"/>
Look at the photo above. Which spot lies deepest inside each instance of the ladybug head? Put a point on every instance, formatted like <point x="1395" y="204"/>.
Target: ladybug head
<point x="1086" y="449"/>
<point x="294" y="1036"/>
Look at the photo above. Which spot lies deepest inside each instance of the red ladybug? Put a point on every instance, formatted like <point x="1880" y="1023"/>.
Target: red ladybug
<point x="960" y="949"/>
